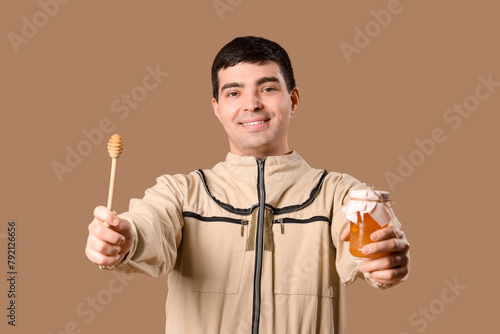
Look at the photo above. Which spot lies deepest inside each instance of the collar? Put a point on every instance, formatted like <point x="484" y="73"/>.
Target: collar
<point x="276" y="168"/>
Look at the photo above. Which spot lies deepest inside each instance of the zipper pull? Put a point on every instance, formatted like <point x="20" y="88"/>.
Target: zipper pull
<point x="280" y="220"/>
<point x="260" y="164"/>
<point x="243" y="223"/>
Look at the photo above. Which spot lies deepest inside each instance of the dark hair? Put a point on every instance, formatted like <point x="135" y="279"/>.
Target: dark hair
<point x="253" y="50"/>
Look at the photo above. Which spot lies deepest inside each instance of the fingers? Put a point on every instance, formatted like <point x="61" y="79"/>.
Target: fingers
<point x="388" y="240"/>
<point x="389" y="269"/>
<point x="389" y="276"/>
<point x="394" y="266"/>
<point x="394" y="275"/>
<point x="101" y="259"/>
<point x="387" y="262"/>
<point x="110" y="238"/>
<point x="387" y="233"/>
<point x="386" y="246"/>
<point x="105" y="233"/>
<point x="102" y="247"/>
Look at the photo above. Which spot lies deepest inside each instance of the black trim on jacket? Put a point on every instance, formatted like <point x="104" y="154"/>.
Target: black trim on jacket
<point x="275" y="211"/>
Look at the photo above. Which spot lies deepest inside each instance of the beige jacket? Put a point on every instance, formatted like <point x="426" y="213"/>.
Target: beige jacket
<point x="250" y="246"/>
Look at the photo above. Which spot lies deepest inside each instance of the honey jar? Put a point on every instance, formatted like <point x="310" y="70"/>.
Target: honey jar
<point x="368" y="211"/>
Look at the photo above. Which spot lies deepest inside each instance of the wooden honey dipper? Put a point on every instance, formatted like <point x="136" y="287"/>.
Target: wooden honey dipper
<point x="115" y="148"/>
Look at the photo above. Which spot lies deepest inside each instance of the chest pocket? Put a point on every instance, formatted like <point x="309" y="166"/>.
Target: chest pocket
<point x="211" y="255"/>
<point x="304" y="257"/>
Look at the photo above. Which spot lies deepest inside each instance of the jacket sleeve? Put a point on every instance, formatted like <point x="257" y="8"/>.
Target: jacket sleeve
<point x="157" y="226"/>
<point x="347" y="264"/>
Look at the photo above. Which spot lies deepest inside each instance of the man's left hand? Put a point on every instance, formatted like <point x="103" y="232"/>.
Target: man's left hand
<point x="389" y="269"/>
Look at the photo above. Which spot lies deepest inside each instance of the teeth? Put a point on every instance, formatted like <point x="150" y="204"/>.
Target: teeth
<point x="253" y="123"/>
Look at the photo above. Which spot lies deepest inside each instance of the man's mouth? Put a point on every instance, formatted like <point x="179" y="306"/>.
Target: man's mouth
<point x="255" y="123"/>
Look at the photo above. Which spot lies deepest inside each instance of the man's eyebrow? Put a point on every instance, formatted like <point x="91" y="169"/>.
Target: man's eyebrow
<point x="231" y="85"/>
<point x="267" y="79"/>
<point x="257" y="83"/>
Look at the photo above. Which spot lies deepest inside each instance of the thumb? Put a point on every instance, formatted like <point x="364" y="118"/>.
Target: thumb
<point x="115" y="220"/>
<point x="105" y="215"/>
<point x="346" y="234"/>
<point x="123" y="226"/>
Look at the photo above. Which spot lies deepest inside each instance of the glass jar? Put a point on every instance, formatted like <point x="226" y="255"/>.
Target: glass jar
<point x="368" y="211"/>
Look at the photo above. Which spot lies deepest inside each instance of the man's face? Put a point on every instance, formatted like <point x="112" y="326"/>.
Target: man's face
<point x="255" y="108"/>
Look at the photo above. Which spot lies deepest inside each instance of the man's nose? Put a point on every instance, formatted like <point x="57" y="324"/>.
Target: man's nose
<point x="253" y="103"/>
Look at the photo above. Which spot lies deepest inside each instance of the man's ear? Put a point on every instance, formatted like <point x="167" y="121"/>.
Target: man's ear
<point x="295" y="97"/>
<point x="215" y="106"/>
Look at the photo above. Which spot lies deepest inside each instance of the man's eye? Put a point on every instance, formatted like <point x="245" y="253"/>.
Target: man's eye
<point x="269" y="89"/>
<point x="231" y="94"/>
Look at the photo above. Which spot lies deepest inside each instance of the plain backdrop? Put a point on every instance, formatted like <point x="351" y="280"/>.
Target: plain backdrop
<point x="377" y="81"/>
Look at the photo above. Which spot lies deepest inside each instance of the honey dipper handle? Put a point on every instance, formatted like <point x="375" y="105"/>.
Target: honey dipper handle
<point x="111" y="183"/>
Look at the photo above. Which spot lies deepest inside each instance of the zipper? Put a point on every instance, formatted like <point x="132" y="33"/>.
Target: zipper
<point x="213" y="218"/>
<point x="242" y="222"/>
<point x="259" y="247"/>
<point x="286" y="220"/>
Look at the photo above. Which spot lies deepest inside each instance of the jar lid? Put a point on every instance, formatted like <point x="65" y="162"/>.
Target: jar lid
<point x="367" y="201"/>
<point x="369" y="194"/>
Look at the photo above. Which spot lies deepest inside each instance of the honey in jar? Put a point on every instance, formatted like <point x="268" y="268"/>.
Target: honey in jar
<point x="368" y="212"/>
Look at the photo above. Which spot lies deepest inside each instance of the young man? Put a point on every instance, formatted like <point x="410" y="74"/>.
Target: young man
<point x="259" y="242"/>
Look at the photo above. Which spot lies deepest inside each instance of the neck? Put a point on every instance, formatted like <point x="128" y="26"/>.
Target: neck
<point x="261" y="153"/>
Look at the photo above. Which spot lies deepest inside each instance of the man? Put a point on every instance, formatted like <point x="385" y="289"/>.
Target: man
<point x="259" y="242"/>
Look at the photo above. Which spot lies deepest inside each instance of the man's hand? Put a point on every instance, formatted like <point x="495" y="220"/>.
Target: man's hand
<point x="392" y="268"/>
<point x="108" y="244"/>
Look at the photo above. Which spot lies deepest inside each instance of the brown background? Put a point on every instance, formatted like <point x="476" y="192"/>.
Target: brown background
<point x="356" y="117"/>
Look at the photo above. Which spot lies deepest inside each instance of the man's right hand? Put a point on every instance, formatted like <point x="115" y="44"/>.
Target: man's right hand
<point x="108" y="244"/>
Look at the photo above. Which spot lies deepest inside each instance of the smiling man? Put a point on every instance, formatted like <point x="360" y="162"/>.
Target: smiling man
<point x="258" y="243"/>
<point x="255" y="107"/>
